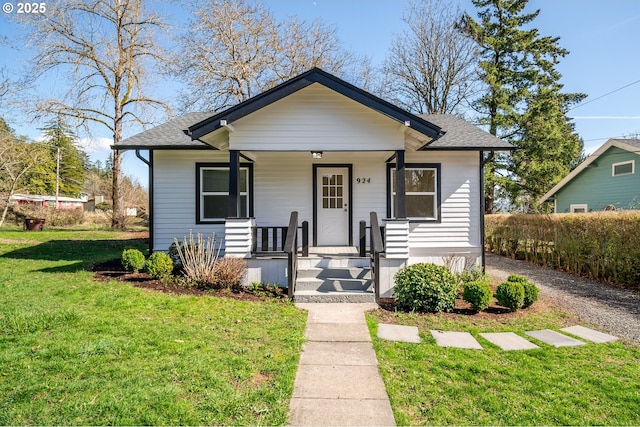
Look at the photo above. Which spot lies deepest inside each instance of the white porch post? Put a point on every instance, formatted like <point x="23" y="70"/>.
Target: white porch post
<point x="237" y="237"/>
<point x="396" y="238"/>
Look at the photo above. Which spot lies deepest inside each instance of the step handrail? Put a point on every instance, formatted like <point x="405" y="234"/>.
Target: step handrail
<point x="291" y="249"/>
<point x="377" y="247"/>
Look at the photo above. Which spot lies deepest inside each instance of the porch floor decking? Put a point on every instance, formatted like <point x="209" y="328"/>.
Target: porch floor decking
<point x="320" y="251"/>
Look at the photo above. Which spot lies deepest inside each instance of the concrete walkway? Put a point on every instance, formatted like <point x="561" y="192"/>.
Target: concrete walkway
<point x="338" y="382"/>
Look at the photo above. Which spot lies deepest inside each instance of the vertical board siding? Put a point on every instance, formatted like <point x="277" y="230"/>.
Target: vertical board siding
<point x="459" y="224"/>
<point x="316" y="118"/>
<point x="596" y="187"/>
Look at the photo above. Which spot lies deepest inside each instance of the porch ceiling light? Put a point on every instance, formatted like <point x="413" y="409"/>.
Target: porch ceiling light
<point x="316" y="154"/>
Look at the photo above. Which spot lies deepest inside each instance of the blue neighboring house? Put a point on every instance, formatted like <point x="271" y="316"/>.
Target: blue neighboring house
<point x="607" y="179"/>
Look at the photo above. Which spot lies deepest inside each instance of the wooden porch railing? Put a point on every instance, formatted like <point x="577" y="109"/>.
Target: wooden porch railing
<point x="272" y="239"/>
<point x="376" y="248"/>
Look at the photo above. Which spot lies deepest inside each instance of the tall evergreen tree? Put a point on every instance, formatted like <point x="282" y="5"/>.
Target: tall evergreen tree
<point x="522" y="102"/>
<point x="68" y="159"/>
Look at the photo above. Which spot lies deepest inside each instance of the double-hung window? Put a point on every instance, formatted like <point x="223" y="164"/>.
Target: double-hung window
<point x="421" y="191"/>
<point x="213" y="192"/>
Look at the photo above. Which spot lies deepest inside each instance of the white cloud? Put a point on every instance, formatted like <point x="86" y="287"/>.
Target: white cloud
<point x="606" y="117"/>
<point x="96" y="145"/>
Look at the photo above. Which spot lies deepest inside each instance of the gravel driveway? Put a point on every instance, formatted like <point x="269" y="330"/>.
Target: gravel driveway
<point x="616" y="310"/>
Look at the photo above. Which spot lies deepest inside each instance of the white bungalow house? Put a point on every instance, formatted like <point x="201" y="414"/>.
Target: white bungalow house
<point x="301" y="179"/>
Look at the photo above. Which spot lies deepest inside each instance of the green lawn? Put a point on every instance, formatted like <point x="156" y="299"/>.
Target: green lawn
<point x="76" y="351"/>
<point x="595" y="384"/>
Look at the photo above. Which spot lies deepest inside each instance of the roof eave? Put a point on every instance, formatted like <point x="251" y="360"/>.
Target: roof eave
<point x="465" y="148"/>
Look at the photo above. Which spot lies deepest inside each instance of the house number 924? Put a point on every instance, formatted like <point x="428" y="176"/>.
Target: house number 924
<point x="363" y="180"/>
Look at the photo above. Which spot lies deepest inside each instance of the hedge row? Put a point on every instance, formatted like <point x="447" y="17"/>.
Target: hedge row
<point x="600" y="245"/>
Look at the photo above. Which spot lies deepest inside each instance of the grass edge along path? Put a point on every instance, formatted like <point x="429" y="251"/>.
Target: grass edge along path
<point x="431" y="385"/>
<point x="74" y="351"/>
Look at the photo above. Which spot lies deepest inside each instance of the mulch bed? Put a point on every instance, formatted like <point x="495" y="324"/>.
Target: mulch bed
<point x="462" y="308"/>
<point x="112" y="270"/>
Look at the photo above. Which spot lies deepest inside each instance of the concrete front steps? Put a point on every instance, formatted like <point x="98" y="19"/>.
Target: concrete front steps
<point x="333" y="280"/>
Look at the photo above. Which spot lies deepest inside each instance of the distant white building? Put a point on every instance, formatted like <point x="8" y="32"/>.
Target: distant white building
<point x="49" y="201"/>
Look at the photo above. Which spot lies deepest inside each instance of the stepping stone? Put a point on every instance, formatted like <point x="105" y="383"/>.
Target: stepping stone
<point x="554" y="338"/>
<point x="509" y="341"/>
<point x="398" y="333"/>
<point x="589" y="334"/>
<point x="456" y="339"/>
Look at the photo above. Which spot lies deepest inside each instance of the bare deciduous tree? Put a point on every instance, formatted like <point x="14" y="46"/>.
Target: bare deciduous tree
<point x="236" y="50"/>
<point x="106" y="47"/>
<point x="431" y="67"/>
<point x="17" y="157"/>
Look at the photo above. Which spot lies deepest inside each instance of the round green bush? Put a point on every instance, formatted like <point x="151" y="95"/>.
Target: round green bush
<point x="159" y="265"/>
<point x="132" y="260"/>
<point x="478" y="294"/>
<point x="426" y="288"/>
<point x="510" y="295"/>
<point x="531" y="292"/>
<point x="517" y="278"/>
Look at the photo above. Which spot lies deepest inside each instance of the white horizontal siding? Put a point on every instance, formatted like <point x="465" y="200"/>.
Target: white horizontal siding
<point x="174" y="195"/>
<point x="316" y="118"/>
<point x="284" y="183"/>
<point x="459" y="225"/>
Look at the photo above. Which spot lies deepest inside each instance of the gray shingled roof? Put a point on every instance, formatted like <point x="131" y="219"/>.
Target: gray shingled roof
<point x="462" y="135"/>
<point x="167" y="135"/>
<point x="634" y="142"/>
<point x="459" y="135"/>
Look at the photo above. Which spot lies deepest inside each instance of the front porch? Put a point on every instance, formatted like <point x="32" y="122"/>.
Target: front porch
<point x="318" y="273"/>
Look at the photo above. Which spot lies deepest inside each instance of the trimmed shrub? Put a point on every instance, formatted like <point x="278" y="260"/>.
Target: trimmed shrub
<point x="159" y="265"/>
<point x="229" y="272"/>
<point x="425" y="287"/>
<point x="478" y="294"/>
<point x="510" y="295"/>
<point x="132" y="260"/>
<point x="517" y="278"/>
<point x="474" y="274"/>
<point x="601" y="245"/>
<point x="531" y="291"/>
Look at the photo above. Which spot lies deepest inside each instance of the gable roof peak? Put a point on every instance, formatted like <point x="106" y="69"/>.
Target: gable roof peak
<point x="314" y="75"/>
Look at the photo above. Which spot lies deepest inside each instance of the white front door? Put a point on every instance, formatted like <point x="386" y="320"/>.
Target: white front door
<point x="333" y="206"/>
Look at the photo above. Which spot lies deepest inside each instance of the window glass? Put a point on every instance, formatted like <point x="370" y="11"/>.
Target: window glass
<point x="420" y="180"/>
<point x="421" y="206"/>
<point x="623" y="168"/>
<point x="420" y="192"/>
<point x="214" y="194"/>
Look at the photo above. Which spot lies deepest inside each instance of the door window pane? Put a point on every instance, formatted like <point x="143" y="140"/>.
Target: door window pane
<point x="332" y="191"/>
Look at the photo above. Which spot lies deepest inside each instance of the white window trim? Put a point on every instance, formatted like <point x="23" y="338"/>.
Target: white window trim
<point x="580" y="206"/>
<point x="219" y="193"/>
<point x="418" y="193"/>
<point x="633" y="168"/>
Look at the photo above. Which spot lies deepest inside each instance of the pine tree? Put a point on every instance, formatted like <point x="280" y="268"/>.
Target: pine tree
<point x="522" y="102"/>
<point x="70" y="168"/>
